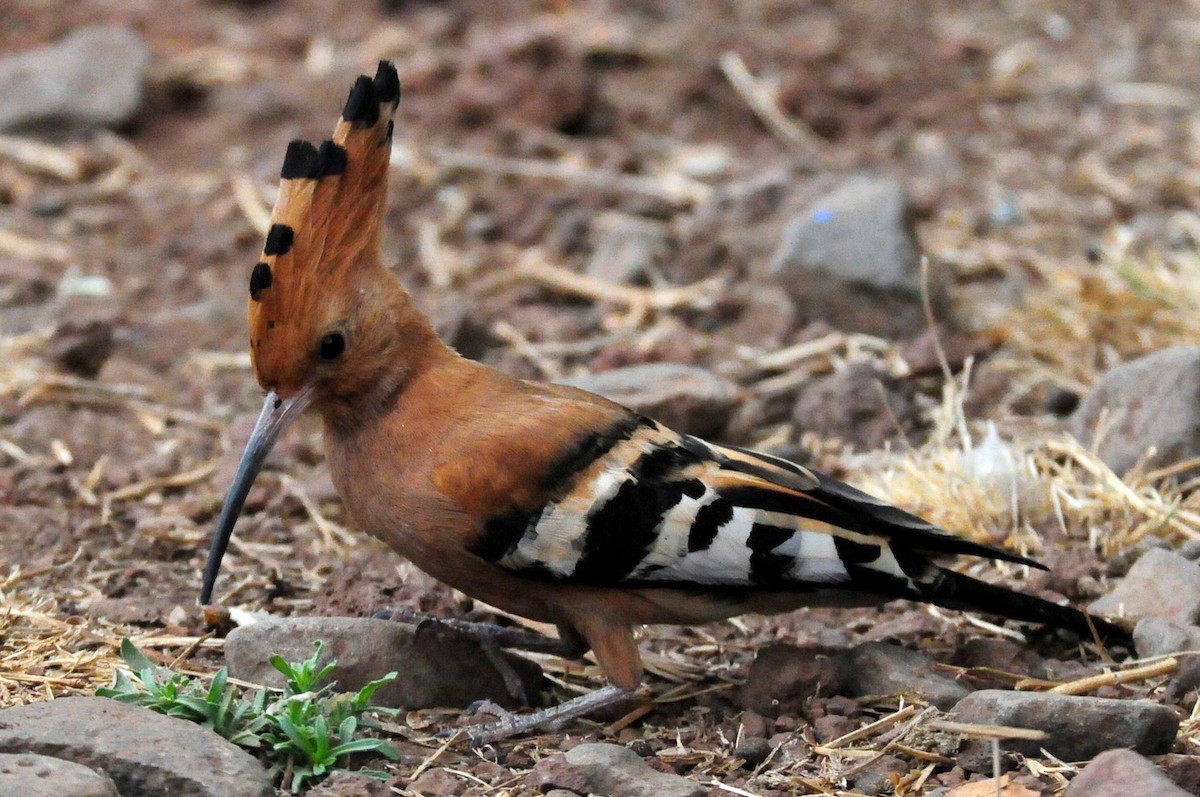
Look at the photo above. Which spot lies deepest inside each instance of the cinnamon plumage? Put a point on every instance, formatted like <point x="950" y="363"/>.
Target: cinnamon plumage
<point x="546" y="501"/>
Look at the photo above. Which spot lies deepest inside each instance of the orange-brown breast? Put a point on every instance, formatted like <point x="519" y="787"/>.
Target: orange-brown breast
<point x="461" y="443"/>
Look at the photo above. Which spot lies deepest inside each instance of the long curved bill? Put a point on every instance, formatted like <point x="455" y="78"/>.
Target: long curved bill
<point x="277" y="414"/>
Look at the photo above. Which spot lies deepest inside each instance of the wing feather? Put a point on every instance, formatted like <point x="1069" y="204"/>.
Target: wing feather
<point x="657" y="508"/>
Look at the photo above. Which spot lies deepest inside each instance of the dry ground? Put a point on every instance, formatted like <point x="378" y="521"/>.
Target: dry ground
<point x="1054" y="156"/>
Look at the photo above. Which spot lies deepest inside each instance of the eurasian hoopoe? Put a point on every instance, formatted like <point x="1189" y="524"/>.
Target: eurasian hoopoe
<point x="546" y="501"/>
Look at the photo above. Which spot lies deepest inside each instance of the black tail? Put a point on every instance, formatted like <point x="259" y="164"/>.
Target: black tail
<point x="956" y="591"/>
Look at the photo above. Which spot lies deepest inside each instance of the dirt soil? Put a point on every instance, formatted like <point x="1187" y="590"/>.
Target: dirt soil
<point x="1036" y="139"/>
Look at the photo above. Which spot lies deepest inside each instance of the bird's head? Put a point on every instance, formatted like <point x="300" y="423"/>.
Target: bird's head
<point x="329" y="325"/>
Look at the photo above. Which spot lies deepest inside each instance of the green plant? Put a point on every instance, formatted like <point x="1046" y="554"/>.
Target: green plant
<point x="302" y="732"/>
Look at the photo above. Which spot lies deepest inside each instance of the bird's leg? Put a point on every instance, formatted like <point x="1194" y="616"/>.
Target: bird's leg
<point x="569" y="645"/>
<point x="513" y="724"/>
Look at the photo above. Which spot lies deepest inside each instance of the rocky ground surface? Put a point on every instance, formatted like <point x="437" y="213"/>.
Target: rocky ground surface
<point x="714" y="212"/>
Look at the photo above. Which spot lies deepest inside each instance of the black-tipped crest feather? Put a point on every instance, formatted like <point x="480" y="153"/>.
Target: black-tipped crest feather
<point x="260" y="279"/>
<point x="387" y="83"/>
<point x="331" y="160"/>
<point x="279" y="240"/>
<point x="361" y="105"/>
<point x="300" y="162"/>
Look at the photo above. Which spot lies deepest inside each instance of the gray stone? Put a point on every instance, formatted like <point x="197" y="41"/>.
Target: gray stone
<point x="859" y="404"/>
<point x="609" y="769"/>
<point x="1154" y="636"/>
<point x="1120" y="773"/>
<point x="1160" y="584"/>
<point x="436" y="665"/>
<point x="29" y="775"/>
<point x="765" y="317"/>
<point x="627" y="248"/>
<point x="92" y="78"/>
<point x="1077" y="728"/>
<point x="850" y="258"/>
<point x="143" y="752"/>
<point x="877" y="668"/>
<point x="437" y="782"/>
<point x="783" y="678"/>
<point x="686" y="398"/>
<point x="1000" y="654"/>
<point x="879" y="776"/>
<point x="753" y="752"/>
<point x="1151" y="402"/>
<point x="1183" y="770"/>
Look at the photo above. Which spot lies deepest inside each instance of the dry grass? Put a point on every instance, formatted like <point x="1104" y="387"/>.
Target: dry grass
<point x="1078" y="319"/>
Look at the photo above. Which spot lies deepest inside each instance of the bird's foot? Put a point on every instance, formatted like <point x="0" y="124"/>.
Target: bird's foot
<point x="510" y="724"/>
<point x="489" y="637"/>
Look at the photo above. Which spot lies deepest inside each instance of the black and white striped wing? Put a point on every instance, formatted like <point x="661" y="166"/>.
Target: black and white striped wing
<point x="650" y="507"/>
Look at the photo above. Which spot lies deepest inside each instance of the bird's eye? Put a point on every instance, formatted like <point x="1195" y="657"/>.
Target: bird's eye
<point x="332" y="346"/>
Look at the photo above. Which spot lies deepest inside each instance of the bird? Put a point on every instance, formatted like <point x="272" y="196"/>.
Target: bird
<point x="542" y="500"/>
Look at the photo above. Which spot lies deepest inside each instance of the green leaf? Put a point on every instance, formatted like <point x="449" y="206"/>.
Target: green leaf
<point x="376" y="774"/>
<point x="306" y="728"/>
<point x="295" y="735"/>
<point x="364" y="746"/>
<point x="347" y="728"/>
<point x="134" y="658"/>
<point x="277" y="661"/>
<point x="216" y="689"/>
<point x="362" y="696"/>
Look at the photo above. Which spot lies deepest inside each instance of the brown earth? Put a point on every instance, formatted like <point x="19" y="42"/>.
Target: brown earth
<point x="1033" y="139"/>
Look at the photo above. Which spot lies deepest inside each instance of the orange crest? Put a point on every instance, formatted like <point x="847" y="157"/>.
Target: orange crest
<point x="327" y="219"/>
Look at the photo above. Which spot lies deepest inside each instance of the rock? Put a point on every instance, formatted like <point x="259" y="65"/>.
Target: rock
<point x="933" y="170"/>
<point x="638" y="745"/>
<point x="524" y="74"/>
<point x="923" y="353"/>
<point x="764" y="315"/>
<point x="29" y="775"/>
<point x="1077" y="728"/>
<point x="753" y="752"/>
<point x="341" y="783"/>
<point x="755" y="725"/>
<point x="1119" y="773"/>
<point x="851" y="258"/>
<point x="1182" y="770"/>
<point x="1154" y="636"/>
<point x="627" y="248"/>
<point x="1185" y="679"/>
<point x="877" y="668"/>
<point x="437" y="665"/>
<point x="832" y="726"/>
<point x="1151" y="402"/>
<point x="92" y="78"/>
<point x="143" y="752"/>
<point x="1160" y="584"/>
<point x="600" y="768"/>
<point x="879" y="776"/>
<point x="437" y="783"/>
<point x="782" y="678"/>
<point x="858" y="404"/>
<point x="1000" y="654"/>
<point x="686" y="398"/>
<point x="81" y="348"/>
